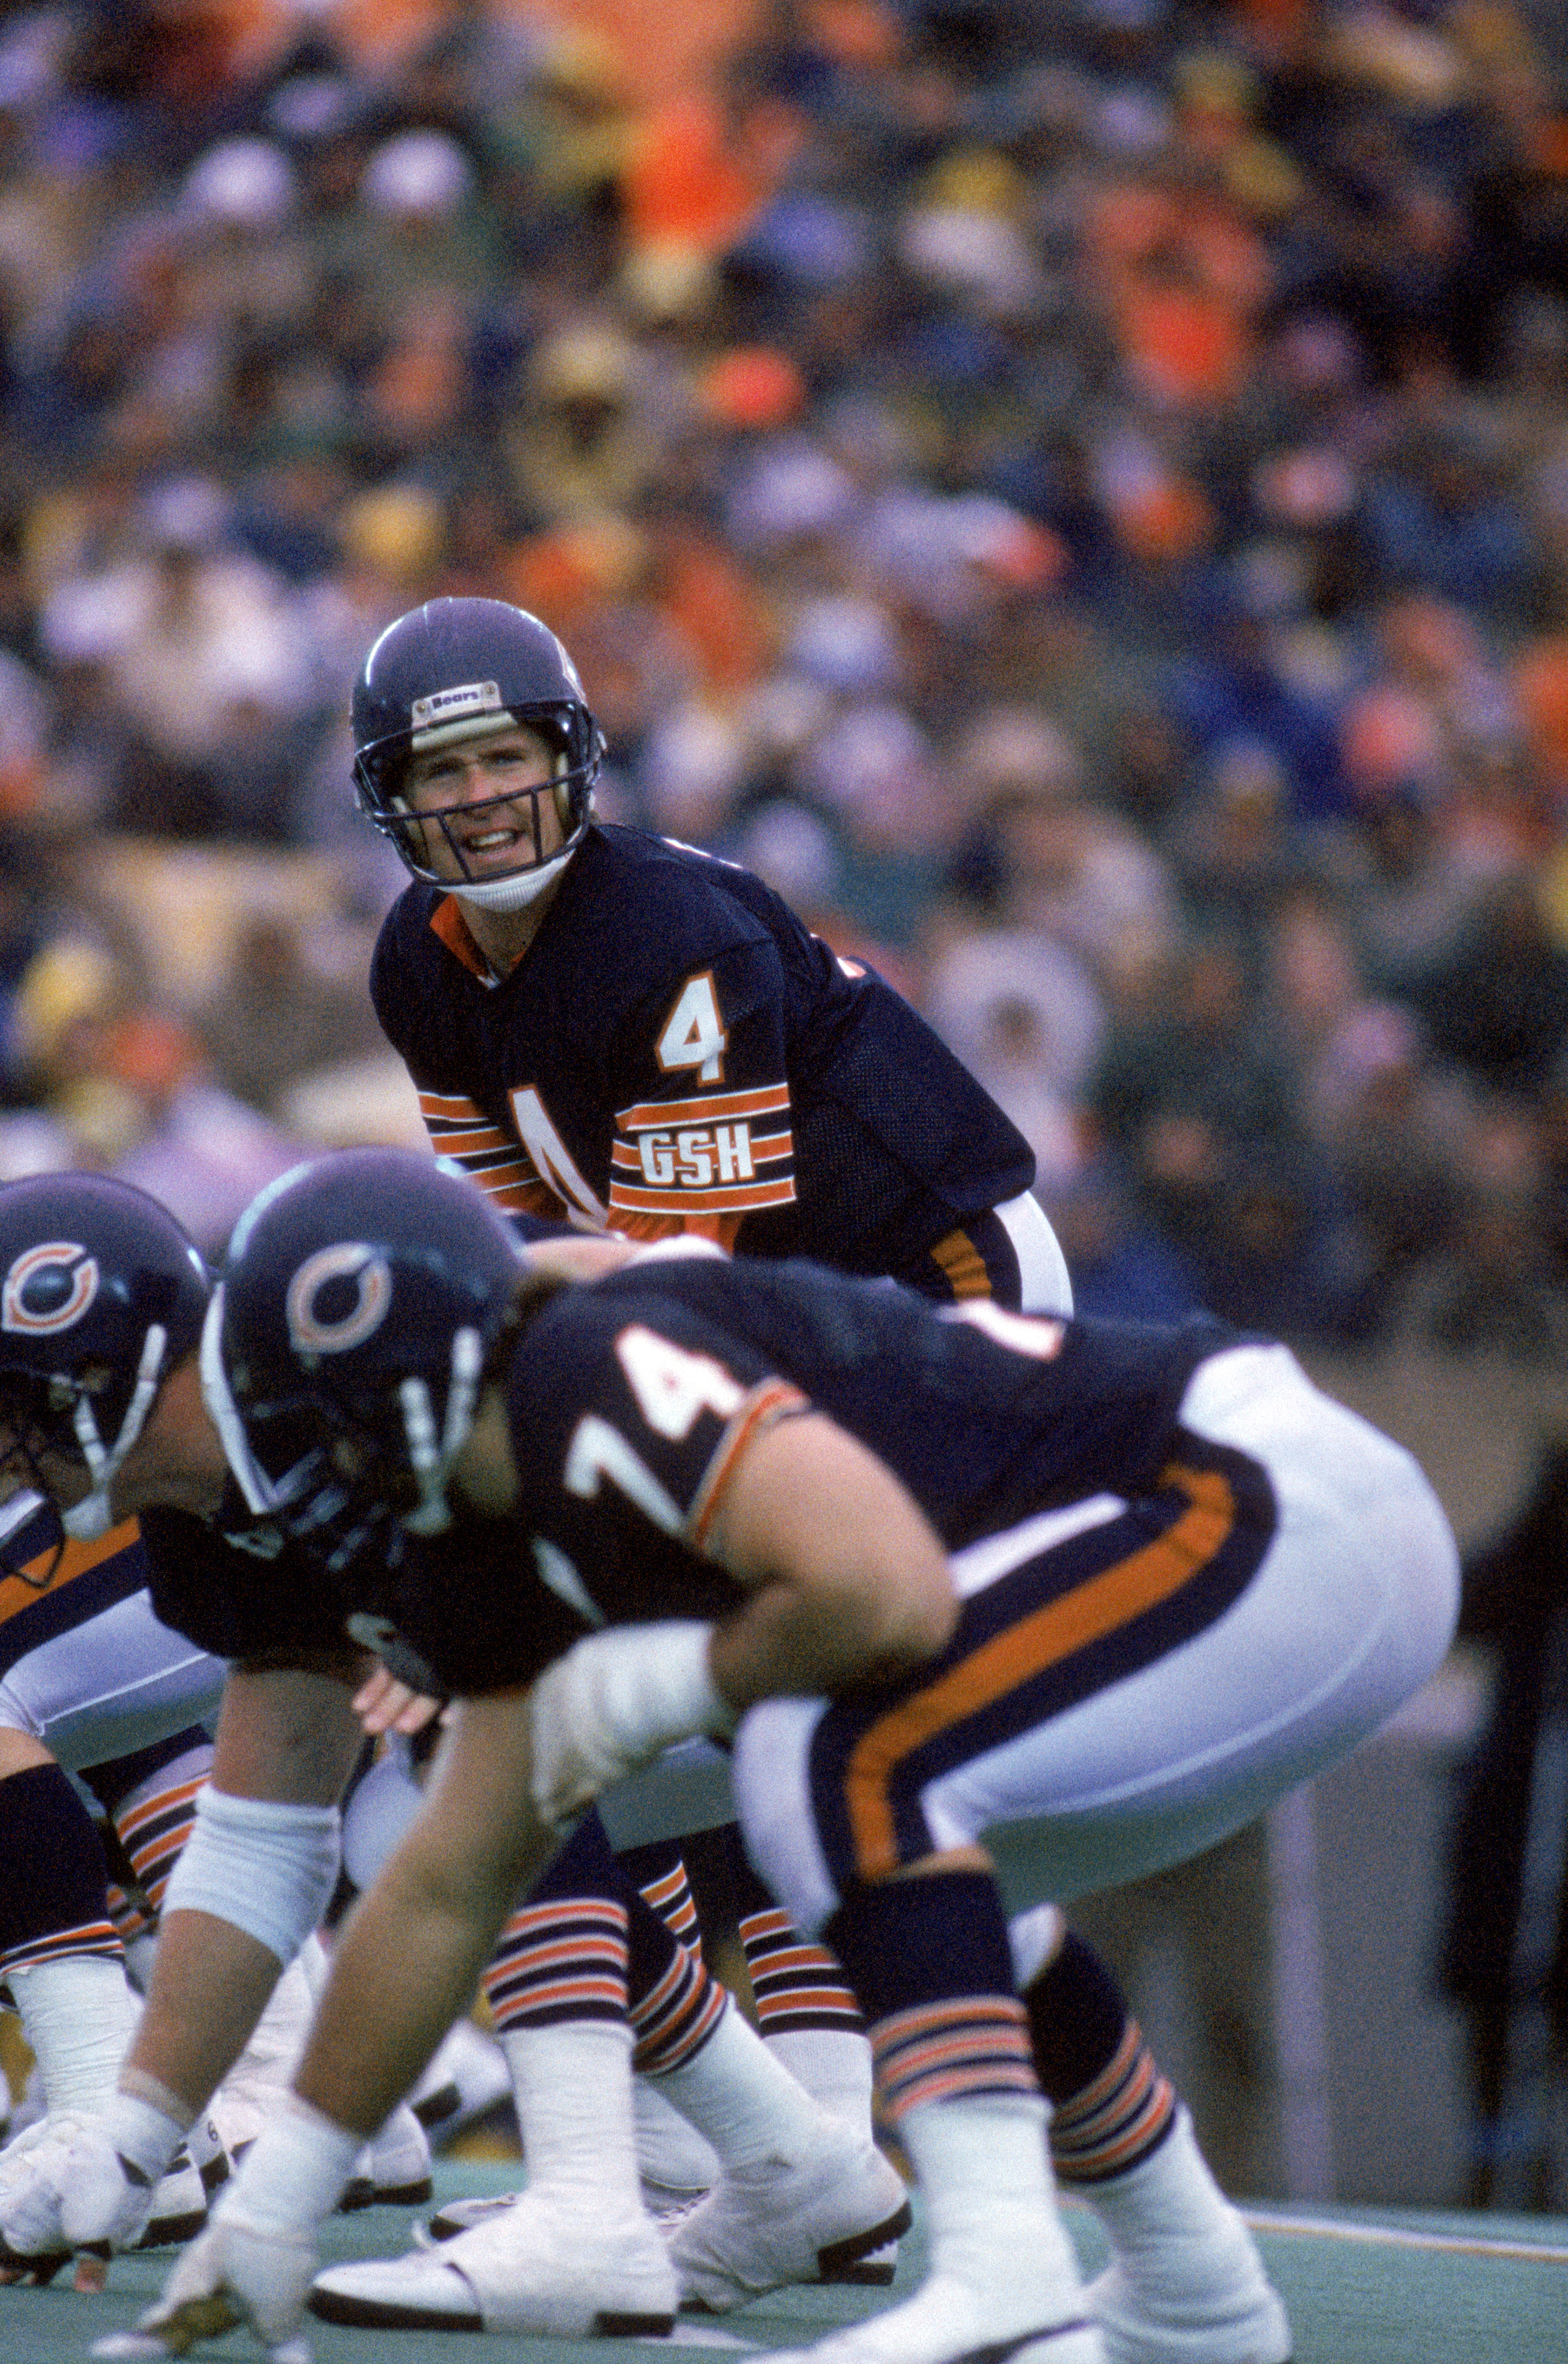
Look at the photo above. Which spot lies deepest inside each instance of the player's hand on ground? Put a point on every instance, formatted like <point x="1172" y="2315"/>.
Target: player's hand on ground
<point x="50" y="2177"/>
<point x="108" y="2190"/>
<point x="110" y="2180"/>
<point x="31" y="2181"/>
<point x="238" y="2272"/>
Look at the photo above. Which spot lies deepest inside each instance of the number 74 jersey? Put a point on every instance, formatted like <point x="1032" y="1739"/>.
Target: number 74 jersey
<point x="630" y="1402"/>
<point x="677" y="1052"/>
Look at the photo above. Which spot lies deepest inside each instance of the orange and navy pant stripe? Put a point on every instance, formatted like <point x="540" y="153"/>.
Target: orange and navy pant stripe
<point x="1082" y="1616"/>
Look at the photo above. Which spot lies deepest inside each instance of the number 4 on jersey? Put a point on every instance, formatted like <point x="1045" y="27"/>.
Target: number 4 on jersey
<point x="673" y="1385"/>
<point x="694" y="1033"/>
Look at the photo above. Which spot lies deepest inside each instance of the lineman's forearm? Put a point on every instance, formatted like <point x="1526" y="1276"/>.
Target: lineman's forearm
<point x="409" y="1960"/>
<point x="788" y="1643"/>
<point x="404" y="1967"/>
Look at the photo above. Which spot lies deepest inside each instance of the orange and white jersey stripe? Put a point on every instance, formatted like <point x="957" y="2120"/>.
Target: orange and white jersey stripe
<point x="1132" y="1677"/>
<point x="716" y="1153"/>
<point x="497" y="1159"/>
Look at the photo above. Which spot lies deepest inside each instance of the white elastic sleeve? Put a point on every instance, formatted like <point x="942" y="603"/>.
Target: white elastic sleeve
<point x="1045" y="1286"/>
<point x="268" y="1868"/>
<point x="78" y="2015"/>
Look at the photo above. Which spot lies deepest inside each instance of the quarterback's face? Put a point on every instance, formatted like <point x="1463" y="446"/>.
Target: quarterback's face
<point x="488" y="821"/>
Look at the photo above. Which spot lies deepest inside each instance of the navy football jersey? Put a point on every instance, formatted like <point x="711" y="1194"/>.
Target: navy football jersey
<point x="233" y="1587"/>
<point x="628" y="1397"/>
<point x="676" y="1050"/>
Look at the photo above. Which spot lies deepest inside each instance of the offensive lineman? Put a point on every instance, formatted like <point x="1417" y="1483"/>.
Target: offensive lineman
<point x="1201" y="2296"/>
<point x="100" y="1411"/>
<point x="1094" y="1593"/>
<point x="99" y="1699"/>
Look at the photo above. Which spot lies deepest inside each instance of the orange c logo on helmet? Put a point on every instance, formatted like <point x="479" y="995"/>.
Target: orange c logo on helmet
<point x="48" y="1288"/>
<point x="312" y="1332"/>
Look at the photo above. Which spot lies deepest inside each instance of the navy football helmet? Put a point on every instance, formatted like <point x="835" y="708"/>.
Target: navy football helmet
<point x="457" y="669"/>
<point x="101" y="1294"/>
<point x="361" y="1302"/>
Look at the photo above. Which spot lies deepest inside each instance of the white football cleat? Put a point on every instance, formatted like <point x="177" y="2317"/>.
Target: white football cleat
<point x="1217" y="2308"/>
<point x="538" y="2268"/>
<point x="460" y="2215"/>
<point x="676" y="2167"/>
<point x="666" y="2207"/>
<point x="947" y="2322"/>
<point x="456" y="2216"/>
<point x="813" y="2219"/>
<point x="394" y="2169"/>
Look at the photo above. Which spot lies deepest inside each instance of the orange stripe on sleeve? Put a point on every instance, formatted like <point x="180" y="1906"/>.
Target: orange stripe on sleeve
<point x="768" y="1100"/>
<point x="470" y="1143"/>
<point x="772" y="1400"/>
<point x="26" y="1585"/>
<point x="964" y="1266"/>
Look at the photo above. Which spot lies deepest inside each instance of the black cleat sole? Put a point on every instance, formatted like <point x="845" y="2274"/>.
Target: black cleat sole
<point x="378" y="2315"/>
<point x="361" y="2193"/>
<point x="841" y="2261"/>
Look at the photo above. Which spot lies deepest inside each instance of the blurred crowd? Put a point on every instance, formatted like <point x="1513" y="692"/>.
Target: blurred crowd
<point x="1074" y="492"/>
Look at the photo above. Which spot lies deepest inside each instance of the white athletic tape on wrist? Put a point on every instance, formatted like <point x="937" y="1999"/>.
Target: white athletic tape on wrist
<point x="642" y="1687"/>
<point x="143" y="2134"/>
<point x="266" y="1866"/>
<point x="293" y="2175"/>
<point x="78" y="2014"/>
<point x="615" y="1699"/>
<point x="113" y="2172"/>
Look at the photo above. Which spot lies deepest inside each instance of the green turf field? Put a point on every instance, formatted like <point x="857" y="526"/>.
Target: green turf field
<point x="1361" y="2288"/>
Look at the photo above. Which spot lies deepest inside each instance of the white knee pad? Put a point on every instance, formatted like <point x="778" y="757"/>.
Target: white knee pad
<point x="267" y="1867"/>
